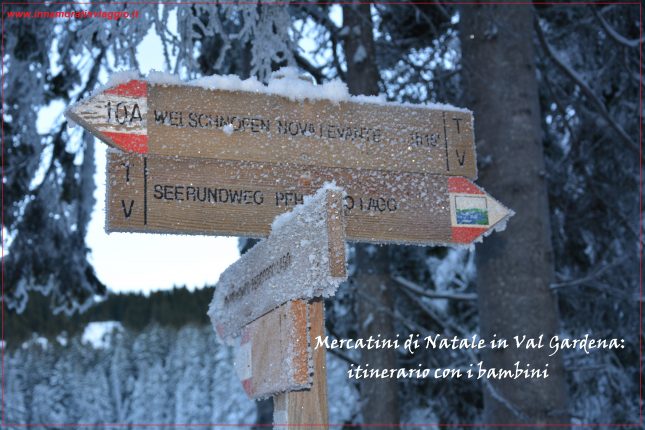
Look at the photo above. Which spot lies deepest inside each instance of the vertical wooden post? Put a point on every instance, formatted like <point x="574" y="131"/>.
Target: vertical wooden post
<point x="309" y="407"/>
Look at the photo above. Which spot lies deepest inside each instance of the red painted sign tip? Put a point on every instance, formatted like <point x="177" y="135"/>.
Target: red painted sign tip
<point x="134" y="88"/>
<point x="137" y="143"/>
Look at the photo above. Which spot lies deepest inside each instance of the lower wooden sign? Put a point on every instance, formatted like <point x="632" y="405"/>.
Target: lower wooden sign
<point x="274" y="354"/>
<point x="236" y="198"/>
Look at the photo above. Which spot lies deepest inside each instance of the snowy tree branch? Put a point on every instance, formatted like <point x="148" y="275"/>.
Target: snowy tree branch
<point x="342" y="356"/>
<point x="445" y="322"/>
<point x="338" y="353"/>
<point x="550" y="88"/>
<point x="441" y="8"/>
<point x="316" y="72"/>
<point x="503" y="400"/>
<point x="417" y="289"/>
<point x="611" y="32"/>
<point x="594" y="275"/>
<point x="324" y="21"/>
<point x="472" y="356"/>
<point x="455" y="329"/>
<point x="442" y="320"/>
<point x="411" y="325"/>
<point x="585" y="89"/>
<point x="92" y="79"/>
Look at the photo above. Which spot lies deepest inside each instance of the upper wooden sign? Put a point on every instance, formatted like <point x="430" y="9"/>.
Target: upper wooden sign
<point x="191" y="121"/>
<point x="235" y="198"/>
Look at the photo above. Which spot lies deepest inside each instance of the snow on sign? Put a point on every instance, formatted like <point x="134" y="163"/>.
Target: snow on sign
<point x="288" y="121"/>
<point x="202" y="196"/>
<point x="303" y="258"/>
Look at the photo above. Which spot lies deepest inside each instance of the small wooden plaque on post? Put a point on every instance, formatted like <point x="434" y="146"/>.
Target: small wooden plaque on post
<point x="274" y="353"/>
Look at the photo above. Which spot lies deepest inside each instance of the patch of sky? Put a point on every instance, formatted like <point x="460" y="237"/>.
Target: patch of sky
<point x="99" y="334"/>
<point x="336" y="14"/>
<point x="313" y="41"/>
<point x="150" y="53"/>
<point x="454" y="19"/>
<point x="83" y="62"/>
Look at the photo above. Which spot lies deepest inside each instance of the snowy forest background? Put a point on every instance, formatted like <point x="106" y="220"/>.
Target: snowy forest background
<point x="74" y="352"/>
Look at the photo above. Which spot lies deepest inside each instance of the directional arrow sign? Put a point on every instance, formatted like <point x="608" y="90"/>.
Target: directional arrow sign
<point x="191" y="121"/>
<point x="203" y="196"/>
<point x="303" y="258"/>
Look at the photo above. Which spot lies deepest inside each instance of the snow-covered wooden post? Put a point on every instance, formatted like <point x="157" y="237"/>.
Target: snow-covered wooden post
<point x="269" y="305"/>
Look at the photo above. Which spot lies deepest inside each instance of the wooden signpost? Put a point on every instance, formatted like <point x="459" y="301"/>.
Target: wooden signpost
<point x="303" y="258"/>
<point x="191" y="121"/>
<point x="196" y="160"/>
<point x="201" y="196"/>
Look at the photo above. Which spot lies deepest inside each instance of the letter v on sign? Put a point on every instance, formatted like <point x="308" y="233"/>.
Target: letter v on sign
<point x="184" y="120"/>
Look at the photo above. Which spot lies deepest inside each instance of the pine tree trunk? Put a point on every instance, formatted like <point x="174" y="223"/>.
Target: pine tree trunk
<point x="514" y="268"/>
<point x="379" y="397"/>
